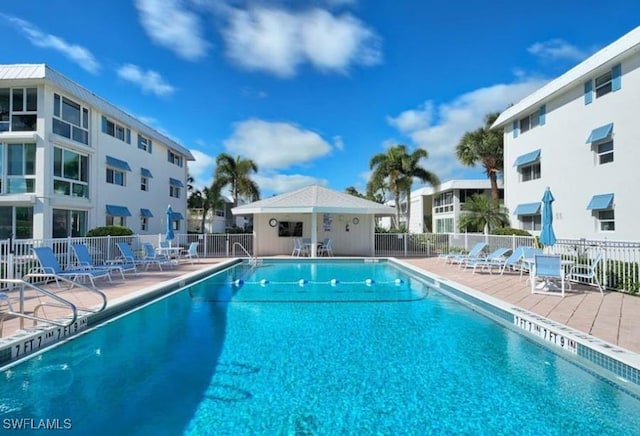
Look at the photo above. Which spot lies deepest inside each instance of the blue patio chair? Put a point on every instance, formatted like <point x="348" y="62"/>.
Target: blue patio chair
<point x="191" y="253"/>
<point x="460" y="258"/>
<point x="84" y="260"/>
<point x="514" y="261"/>
<point x="582" y="272"/>
<point x="152" y="257"/>
<point x="547" y="267"/>
<point x="128" y="256"/>
<point x="494" y="259"/>
<point x="49" y="266"/>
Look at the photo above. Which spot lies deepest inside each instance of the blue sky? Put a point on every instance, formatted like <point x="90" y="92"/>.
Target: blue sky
<point x="310" y="90"/>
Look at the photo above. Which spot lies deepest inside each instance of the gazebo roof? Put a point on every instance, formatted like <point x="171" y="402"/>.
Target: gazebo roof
<point x="314" y="199"/>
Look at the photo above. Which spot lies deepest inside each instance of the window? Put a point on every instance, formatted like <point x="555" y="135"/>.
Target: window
<point x="530" y="172"/>
<point x="174" y="158"/>
<point x="532" y="120"/>
<point x="116" y="130"/>
<point x="113" y="220"/>
<point x="174" y="191"/>
<point x="18" y="109"/>
<point x="443" y="202"/>
<point x="144" y="183"/>
<point x="69" y="223"/>
<point x="70" y="173"/>
<point x="466" y="194"/>
<point x="608" y="82"/>
<point x="603" y="84"/>
<point x="16" y="221"/>
<point x="531" y="222"/>
<point x="144" y="223"/>
<point x="17" y="168"/>
<point x="606" y="220"/>
<point x="145" y="144"/>
<point x="444" y="225"/>
<point x="115" y="177"/>
<point x="290" y="228"/>
<point x="70" y="119"/>
<point x="605" y="152"/>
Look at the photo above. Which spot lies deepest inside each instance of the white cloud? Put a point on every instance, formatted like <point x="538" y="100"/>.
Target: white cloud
<point x="78" y="54"/>
<point x="438" y="128"/>
<point x="280" y="183"/>
<point x="275" y="145"/>
<point x="279" y="41"/>
<point x="201" y="169"/>
<point x="555" y="49"/>
<point x="169" y="24"/>
<point x="149" y="81"/>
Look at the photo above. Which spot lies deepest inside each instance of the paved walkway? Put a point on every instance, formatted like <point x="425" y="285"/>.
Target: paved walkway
<point x="614" y="317"/>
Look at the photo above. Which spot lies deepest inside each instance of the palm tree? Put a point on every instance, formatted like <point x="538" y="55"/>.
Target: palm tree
<point x="485" y="147"/>
<point x="236" y="173"/>
<point x="396" y="170"/>
<point x="482" y="212"/>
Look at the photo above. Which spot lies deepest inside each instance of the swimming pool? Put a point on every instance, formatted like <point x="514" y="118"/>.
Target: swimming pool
<point x="378" y="350"/>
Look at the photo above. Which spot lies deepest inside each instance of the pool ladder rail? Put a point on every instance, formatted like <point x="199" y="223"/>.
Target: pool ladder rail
<point x="58" y="302"/>
<point x="253" y="261"/>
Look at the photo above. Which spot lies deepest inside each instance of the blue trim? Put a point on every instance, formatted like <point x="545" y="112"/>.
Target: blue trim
<point x="150" y="146"/>
<point x="117" y="163"/>
<point x="104" y="124"/>
<point x="175" y="182"/>
<point x="588" y="92"/>
<point x="527" y="158"/>
<point x="146" y="173"/>
<point x="117" y="210"/>
<point x="542" y="116"/>
<point x="515" y="129"/>
<point x="616" y="77"/>
<point x="602" y="132"/>
<point x="128" y="136"/>
<point x="527" y="209"/>
<point x="600" y="202"/>
<point x="145" y="213"/>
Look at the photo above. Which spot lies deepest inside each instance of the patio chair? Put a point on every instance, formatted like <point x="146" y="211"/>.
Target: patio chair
<point x="528" y="260"/>
<point x="191" y="253"/>
<point x="587" y="272"/>
<point x="494" y="259"/>
<point x="299" y="249"/>
<point x="128" y="256"/>
<point x="458" y="257"/>
<point x="49" y="266"/>
<point x="547" y="267"/>
<point x="153" y="257"/>
<point x="85" y="261"/>
<point x="325" y="248"/>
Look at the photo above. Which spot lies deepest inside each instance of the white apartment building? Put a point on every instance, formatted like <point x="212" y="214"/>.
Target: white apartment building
<point x="71" y="161"/>
<point x="438" y="210"/>
<point x="579" y="135"/>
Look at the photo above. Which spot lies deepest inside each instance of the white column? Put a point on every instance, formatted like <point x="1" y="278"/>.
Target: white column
<point x="314" y="234"/>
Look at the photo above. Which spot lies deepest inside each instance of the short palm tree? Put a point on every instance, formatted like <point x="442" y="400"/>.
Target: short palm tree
<point x="482" y="212"/>
<point x="210" y="199"/>
<point x="396" y="170"/>
<point x="484" y="146"/>
<point x="236" y="173"/>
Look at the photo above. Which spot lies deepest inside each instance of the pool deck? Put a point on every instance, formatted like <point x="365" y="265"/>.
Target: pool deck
<point x="614" y="317"/>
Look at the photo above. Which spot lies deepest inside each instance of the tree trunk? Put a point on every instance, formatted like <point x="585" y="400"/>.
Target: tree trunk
<point x="397" y="202"/>
<point x="408" y="210"/>
<point x="493" y="178"/>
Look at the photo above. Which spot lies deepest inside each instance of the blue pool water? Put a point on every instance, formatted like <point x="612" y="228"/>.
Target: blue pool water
<point x="385" y="357"/>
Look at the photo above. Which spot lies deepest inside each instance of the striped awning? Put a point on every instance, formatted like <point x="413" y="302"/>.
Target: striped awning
<point x="600" y="202"/>
<point x="527" y="158"/>
<point x="175" y="182"/>
<point x="527" y="209"/>
<point x="117" y="210"/>
<point x="117" y="163"/>
<point x="602" y="132"/>
<point x="146" y="213"/>
<point x="146" y="173"/>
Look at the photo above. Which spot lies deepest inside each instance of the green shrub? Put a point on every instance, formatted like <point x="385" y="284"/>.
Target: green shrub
<point x="510" y="231"/>
<point x="110" y="231"/>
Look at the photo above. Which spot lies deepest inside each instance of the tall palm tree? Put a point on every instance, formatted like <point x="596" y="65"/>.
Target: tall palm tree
<point x="236" y="173"/>
<point x="396" y="170"/>
<point x="485" y="147"/>
<point x="482" y="212"/>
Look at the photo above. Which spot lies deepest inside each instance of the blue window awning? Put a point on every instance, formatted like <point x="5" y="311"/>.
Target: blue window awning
<point x="527" y="158"/>
<point x="175" y="182"/>
<point x="527" y="209"/>
<point x="600" y="202"/>
<point x="602" y="132"/>
<point x="146" y="173"/>
<point x="117" y="210"/>
<point x="145" y="213"/>
<point x="177" y="216"/>
<point x="117" y="163"/>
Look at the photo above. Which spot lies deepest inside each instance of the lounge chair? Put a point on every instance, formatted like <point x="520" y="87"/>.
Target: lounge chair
<point x="494" y="259"/>
<point x="49" y="266"/>
<point x="587" y="271"/>
<point x="85" y="261"/>
<point x="514" y="261"/>
<point x="153" y="257"/>
<point x="127" y="255"/>
<point x="191" y="253"/>
<point x="474" y="253"/>
<point x="547" y="267"/>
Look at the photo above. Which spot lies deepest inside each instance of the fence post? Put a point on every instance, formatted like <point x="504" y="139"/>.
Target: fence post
<point x="227" y="245"/>
<point x="406" y="243"/>
<point x="605" y="268"/>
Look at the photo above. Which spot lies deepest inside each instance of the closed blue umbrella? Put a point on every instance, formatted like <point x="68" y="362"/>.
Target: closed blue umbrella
<point x="547" y="236"/>
<point x="169" y="235"/>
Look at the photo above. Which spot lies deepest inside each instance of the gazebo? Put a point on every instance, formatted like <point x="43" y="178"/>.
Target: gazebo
<point x="314" y="213"/>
